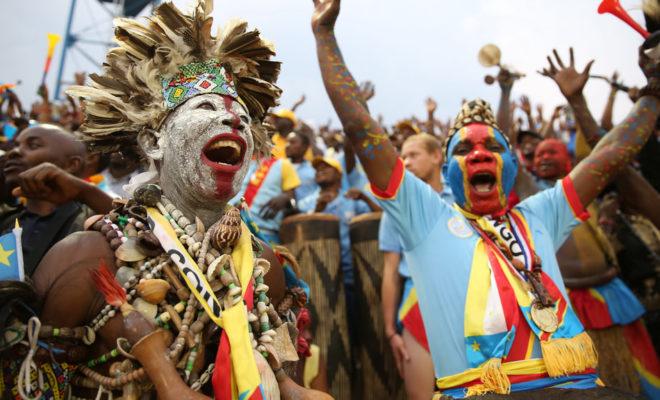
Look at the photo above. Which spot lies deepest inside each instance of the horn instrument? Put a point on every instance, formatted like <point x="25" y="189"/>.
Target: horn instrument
<point x="614" y="7"/>
<point x="490" y="56"/>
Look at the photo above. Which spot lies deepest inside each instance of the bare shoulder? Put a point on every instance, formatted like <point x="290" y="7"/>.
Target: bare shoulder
<point x="63" y="278"/>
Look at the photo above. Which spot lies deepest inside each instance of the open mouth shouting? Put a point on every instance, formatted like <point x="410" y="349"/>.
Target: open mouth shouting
<point x="224" y="152"/>
<point x="483" y="182"/>
<point x="547" y="166"/>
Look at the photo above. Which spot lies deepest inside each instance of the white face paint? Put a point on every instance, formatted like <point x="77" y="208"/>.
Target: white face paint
<point x="203" y="151"/>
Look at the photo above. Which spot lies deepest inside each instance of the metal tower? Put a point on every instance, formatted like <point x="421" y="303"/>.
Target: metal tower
<point x="89" y="37"/>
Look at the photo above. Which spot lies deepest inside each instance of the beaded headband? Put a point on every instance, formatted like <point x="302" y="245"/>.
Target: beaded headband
<point x="198" y="78"/>
<point x="167" y="59"/>
<point x="477" y="111"/>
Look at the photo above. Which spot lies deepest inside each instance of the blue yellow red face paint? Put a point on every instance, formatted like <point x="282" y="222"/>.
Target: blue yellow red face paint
<point x="459" y="169"/>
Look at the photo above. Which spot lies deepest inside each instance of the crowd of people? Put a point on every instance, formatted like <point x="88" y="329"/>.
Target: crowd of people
<point x="520" y="250"/>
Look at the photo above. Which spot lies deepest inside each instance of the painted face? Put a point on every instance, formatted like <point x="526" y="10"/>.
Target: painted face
<point x="206" y="144"/>
<point x="551" y="159"/>
<point x="480" y="169"/>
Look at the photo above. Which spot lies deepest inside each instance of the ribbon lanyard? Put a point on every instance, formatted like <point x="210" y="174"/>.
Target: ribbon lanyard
<point x="193" y="276"/>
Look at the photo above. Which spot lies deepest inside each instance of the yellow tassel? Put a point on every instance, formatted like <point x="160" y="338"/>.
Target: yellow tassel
<point x="567" y="356"/>
<point x="476" y="390"/>
<point x="494" y="378"/>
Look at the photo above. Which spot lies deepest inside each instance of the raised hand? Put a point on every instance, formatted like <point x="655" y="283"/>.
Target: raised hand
<point x="505" y="79"/>
<point x="570" y="81"/>
<point x="367" y="90"/>
<point x="431" y="105"/>
<point x="525" y="105"/>
<point x="325" y="15"/>
<point x="298" y="102"/>
<point x="622" y="143"/>
<point x="614" y="80"/>
<point x="371" y="143"/>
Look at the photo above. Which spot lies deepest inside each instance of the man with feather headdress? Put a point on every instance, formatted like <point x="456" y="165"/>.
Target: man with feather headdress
<point x="181" y="262"/>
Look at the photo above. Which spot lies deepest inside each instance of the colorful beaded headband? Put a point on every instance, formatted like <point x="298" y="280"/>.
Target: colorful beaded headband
<point x="477" y="111"/>
<point x="198" y="78"/>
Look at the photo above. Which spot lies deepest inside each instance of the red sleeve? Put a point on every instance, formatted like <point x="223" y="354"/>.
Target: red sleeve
<point x="574" y="202"/>
<point x="393" y="186"/>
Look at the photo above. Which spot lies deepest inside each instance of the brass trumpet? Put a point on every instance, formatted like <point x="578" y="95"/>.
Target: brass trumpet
<point x="490" y="56"/>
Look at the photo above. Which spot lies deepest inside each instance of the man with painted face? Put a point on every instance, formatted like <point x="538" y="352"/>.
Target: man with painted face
<point x="495" y="308"/>
<point x="551" y="162"/>
<point x="173" y="270"/>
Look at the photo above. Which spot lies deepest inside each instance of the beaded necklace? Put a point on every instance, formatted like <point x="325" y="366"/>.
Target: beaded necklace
<point x="140" y="261"/>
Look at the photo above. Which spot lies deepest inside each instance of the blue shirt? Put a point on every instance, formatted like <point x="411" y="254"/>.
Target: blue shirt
<point x="439" y="244"/>
<point x="389" y="238"/>
<point x="307" y="175"/>
<point x="357" y="178"/>
<point x="281" y="177"/>
<point x="345" y="209"/>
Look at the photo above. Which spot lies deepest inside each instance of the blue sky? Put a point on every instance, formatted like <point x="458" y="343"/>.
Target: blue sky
<point x="410" y="50"/>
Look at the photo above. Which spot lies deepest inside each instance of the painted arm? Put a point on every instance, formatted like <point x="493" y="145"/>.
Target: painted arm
<point x="571" y="84"/>
<point x="606" y="119"/>
<point x="371" y="144"/>
<point x="615" y="150"/>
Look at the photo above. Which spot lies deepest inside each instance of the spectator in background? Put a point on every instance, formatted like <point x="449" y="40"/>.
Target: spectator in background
<point x="331" y="199"/>
<point x="122" y="166"/>
<point x="46" y="168"/>
<point x="270" y="192"/>
<point x="526" y="142"/>
<point x="296" y="147"/>
<point x="284" y="121"/>
<point x="402" y="131"/>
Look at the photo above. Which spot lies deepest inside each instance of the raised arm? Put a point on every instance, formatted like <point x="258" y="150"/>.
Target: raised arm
<point x="606" y="119"/>
<point x="616" y="149"/>
<point x="504" y="109"/>
<point x="571" y="83"/>
<point x="371" y="144"/>
<point x="548" y="130"/>
<point x="526" y="107"/>
<point x="431" y="106"/>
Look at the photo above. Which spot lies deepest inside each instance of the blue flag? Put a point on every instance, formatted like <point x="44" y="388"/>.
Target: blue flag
<point x="11" y="256"/>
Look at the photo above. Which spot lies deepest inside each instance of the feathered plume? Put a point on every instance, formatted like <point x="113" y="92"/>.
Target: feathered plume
<point x="106" y="283"/>
<point x="127" y="97"/>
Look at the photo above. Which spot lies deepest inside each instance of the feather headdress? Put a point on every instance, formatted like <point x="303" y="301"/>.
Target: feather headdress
<point x="128" y="96"/>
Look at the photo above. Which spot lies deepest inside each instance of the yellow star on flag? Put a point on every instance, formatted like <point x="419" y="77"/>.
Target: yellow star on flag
<point x="475" y="346"/>
<point x="4" y="255"/>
